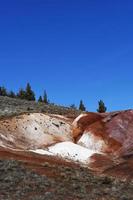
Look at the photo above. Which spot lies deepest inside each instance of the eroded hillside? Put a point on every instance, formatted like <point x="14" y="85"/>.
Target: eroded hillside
<point x="100" y="142"/>
<point x="51" y="156"/>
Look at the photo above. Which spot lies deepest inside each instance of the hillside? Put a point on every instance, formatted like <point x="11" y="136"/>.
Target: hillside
<point x="53" y="152"/>
<point x="12" y="106"/>
<point x="40" y="179"/>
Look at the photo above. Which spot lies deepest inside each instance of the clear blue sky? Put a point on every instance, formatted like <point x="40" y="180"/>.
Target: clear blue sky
<point x="75" y="49"/>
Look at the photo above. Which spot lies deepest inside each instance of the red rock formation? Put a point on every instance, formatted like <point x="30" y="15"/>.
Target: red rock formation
<point x="110" y="134"/>
<point x="106" y="139"/>
<point x="114" y="130"/>
<point x="82" y="122"/>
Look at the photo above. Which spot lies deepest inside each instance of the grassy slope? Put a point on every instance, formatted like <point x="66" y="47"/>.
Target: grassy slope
<point x="11" y="106"/>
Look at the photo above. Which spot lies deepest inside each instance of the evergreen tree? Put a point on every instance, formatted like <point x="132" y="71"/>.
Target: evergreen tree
<point x="11" y="94"/>
<point x="29" y="94"/>
<point x="0" y="91"/>
<point x="81" y="106"/>
<point x="40" y="99"/>
<point x="3" y="91"/>
<point x="45" y="98"/>
<point x="101" y="107"/>
<point x="21" y="94"/>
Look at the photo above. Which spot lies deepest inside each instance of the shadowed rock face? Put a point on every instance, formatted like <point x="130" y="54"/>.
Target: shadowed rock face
<point x="103" y="142"/>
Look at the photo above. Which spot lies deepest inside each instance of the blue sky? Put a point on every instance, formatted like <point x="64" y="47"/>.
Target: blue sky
<point x="75" y="49"/>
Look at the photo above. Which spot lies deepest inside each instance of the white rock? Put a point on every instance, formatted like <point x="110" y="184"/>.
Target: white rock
<point x="71" y="151"/>
<point x="91" y="142"/>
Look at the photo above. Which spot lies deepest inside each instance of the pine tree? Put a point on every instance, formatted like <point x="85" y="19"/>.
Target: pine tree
<point x="101" y="107"/>
<point x="21" y="94"/>
<point x="0" y="91"/>
<point x="29" y="94"/>
<point x="3" y="91"/>
<point x="40" y="99"/>
<point x="81" y="106"/>
<point x="45" y="98"/>
<point x="11" y="94"/>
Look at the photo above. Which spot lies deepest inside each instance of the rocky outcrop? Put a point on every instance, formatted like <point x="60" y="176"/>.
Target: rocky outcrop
<point x="110" y="136"/>
<point x="101" y="142"/>
<point x="109" y="133"/>
<point x="35" y="130"/>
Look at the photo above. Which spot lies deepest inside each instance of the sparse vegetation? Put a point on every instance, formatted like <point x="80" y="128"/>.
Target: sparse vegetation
<point x="13" y="106"/>
<point x="45" y="98"/>
<point x="40" y="99"/>
<point x="73" y="106"/>
<point x="101" y="107"/>
<point x="58" y="182"/>
<point x="81" y="106"/>
<point x="21" y="94"/>
<point x="25" y="94"/>
<point x="3" y="91"/>
<point x="29" y="95"/>
<point x="11" y="94"/>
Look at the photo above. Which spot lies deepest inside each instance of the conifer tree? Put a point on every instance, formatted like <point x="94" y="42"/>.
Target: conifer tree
<point x="40" y="99"/>
<point x="3" y="91"/>
<point x="21" y="94"/>
<point x="45" y="98"/>
<point x="101" y="107"/>
<point x="81" y="106"/>
<point x="0" y="91"/>
<point x="11" y="94"/>
<point x="29" y="94"/>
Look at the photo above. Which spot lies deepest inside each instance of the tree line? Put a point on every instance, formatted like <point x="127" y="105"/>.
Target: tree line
<point x="29" y="94"/>
<point x="25" y="94"/>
